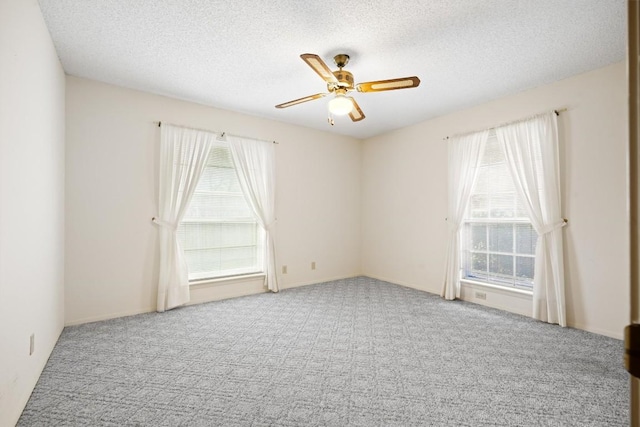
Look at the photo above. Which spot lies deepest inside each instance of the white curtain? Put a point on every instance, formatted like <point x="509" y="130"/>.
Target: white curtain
<point x="464" y="159"/>
<point x="183" y="155"/>
<point x="255" y="165"/>
<point x="531" y="149"/>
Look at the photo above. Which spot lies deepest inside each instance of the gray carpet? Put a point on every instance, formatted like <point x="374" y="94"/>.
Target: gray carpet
<point x="355" y="352"/>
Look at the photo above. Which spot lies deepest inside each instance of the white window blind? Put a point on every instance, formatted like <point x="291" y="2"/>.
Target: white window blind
<point x="498" y="241"/>
<point x="219" y="234"/>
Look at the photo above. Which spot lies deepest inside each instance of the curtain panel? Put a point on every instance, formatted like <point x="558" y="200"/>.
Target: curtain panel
<point x="531" y="149"/>
<point x="464" y="159"/>
<point x="183" y="155"/>
<point x="254" y="162"/>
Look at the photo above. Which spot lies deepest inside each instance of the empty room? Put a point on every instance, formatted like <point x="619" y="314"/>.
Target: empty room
<point x="286" y="213"/>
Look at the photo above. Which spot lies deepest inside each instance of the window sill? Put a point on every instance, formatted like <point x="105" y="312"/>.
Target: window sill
<point x="205" y="283"/>
<point x="495" y="288"/>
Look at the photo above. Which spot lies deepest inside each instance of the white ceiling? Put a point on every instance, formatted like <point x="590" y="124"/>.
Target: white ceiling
<point x="243" y="55"/>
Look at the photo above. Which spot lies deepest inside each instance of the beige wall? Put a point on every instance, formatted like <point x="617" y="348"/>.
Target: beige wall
<point x="404" y="196"/>
<point x="32" y="85"/>
<point x="112" y="169"/>
<point x="329" y="187"/>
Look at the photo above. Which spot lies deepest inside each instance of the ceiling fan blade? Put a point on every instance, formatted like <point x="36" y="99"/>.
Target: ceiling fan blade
<point x="393" y="84"/>
<point x="318" y="65"/>
<point x="301" y="100"/>
<point x="356" y="114"/>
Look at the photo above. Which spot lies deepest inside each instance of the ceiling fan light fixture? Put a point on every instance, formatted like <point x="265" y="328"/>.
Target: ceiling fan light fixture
<point x="341" y="105"/>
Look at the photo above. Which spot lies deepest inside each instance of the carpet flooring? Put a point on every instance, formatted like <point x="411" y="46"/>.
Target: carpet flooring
<point x="353" y="352"/>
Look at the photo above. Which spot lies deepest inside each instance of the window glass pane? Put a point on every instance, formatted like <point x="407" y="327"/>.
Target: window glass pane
<point x="475" y="265"/>
<point x="216" y="235"/>
<point x="501" y="238"/>
<point x="481" y="186"/>
<point x="524" y="267"/>
<point x="479" y="262"/>
<point x="478" y="237"/>
<point x="492" y="152"/>
<point x="526" y="238"/>
<point x="479" y="206"/>
<point x="499" y="179"/>
<point x="235" y="260"/>
<point x="220" y="156"/>
<point x="520" y="211"/>
<point x="221" y="179"/>
<point x="501" y="264"/>
<point x="502" y="205"/>
<point x="217" y="206"/>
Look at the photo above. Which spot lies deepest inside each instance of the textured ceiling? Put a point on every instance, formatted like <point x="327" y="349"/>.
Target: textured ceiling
<point x="243" y="55"/>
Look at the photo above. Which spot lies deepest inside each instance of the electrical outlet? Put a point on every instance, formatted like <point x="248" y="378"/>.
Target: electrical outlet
<point x="313" y="265"/>
<point x="284" y="269"/>
<point x="481" y="295"/>
<point x="32" y="344"/>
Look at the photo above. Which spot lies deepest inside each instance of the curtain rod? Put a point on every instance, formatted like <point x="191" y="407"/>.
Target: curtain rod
<point x="222" y="134"/>
<point x="558" y="111"/>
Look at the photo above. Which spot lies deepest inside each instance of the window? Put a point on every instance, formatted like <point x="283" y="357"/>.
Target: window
<point x="498" y="240"/>
<point x="219" y="233"/>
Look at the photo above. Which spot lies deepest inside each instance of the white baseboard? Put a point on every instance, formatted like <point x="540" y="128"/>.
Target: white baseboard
<point x="401" y="283"/>
<point x="109" y="316"/>
<point x="33" y="380"/>
<point x="208" y="293"/>
<point x="235" y="289"/>
<point x="316" y="281"/>
<point x="238" y="292"/>
<point x="498" y="306"/>
<point x="501" y="299"/>
<point x="617" y="335"/>
<point x="252" y="286"/>
<point x="501" y="304"/>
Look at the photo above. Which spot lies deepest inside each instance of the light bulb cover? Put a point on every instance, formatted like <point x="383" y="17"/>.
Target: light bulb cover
<point x="341" y="105"/>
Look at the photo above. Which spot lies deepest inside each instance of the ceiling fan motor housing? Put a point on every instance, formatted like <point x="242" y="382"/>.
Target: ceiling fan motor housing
<point x="345" y="80"/>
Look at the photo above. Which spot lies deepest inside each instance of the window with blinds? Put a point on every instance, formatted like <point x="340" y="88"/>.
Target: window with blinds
<point x="498" y="241"/>
<point x="219" y="234"/>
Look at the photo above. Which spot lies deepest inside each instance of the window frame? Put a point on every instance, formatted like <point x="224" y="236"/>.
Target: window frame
<point x="467" y="273"/>
<point x="495" y="279"/>
<point x="228" y="274"/>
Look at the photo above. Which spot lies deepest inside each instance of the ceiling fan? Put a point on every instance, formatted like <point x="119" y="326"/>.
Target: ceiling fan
<point x="341" y="82"/>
